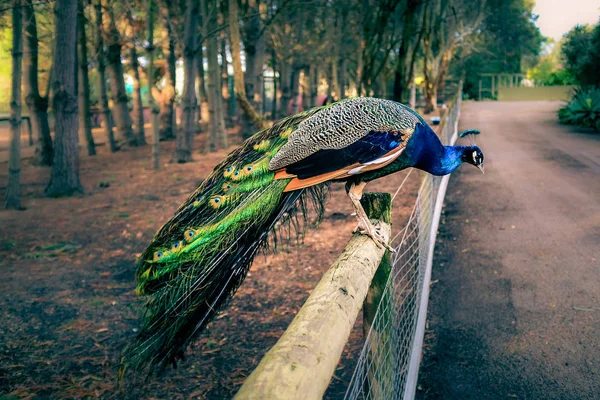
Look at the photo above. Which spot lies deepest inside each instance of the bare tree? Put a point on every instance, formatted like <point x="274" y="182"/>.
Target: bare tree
<point x="37" y="105"/>
<point x="201" y="82"/>
<point x="151" y="101"/>
<point x="117" y="82"/>
<point x="185" y="136"/>
<point x="85" y="120"/>
<point x="228" y="108"/>
<point x="377" y="41"/>
<point x="276" y="94"/>
<point x="238" y="73"/>
<point x="64" y="179"/>
<point x="138" y="108"/>
<point x="286" y="87"/>
<point x="254" y="52"/>
<point x="313" y="85"/>
<point x="101" y="69"/>
<point x="217" y="139"/>
<point x="412" y="25"/>
<point x="286" y="39"/>
<point x="448" y="23"/>
<point x="295" y="86"/>
<point x="13" y="189"/>
<point x="168" y="127"/>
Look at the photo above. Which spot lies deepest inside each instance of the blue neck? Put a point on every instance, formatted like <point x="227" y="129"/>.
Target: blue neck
<point x="448" y="162"/>
<point x="427" y="152"/>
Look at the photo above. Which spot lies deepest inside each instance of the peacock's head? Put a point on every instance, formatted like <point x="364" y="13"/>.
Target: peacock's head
<point x="473" y="155"/>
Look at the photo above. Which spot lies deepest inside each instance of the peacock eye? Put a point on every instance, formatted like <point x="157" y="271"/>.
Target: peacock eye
<point x="176" y="245"/>
<point x="229" y="169"/>
<point x="190" y="233"/>
<point x="159" y="254"/>
<point x="249" y="168"/>
<point x="217" y="199"/>
<point x="236" y="173"/>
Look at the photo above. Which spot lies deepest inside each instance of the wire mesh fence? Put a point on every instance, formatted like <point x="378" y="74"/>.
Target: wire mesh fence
<point x="389" y="361"/>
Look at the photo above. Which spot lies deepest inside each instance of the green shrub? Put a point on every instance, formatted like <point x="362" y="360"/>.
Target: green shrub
<point x="583" y="109"/>
<point x="581" y="56"/>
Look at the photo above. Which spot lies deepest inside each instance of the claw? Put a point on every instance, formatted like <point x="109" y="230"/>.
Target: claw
<point x="377" y="238"/>
<point x="364" y="226"/>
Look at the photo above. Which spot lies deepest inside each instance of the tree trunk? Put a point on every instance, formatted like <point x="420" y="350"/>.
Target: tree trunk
<point x="37" y="105"/>
<point x="407" y="49"/>
<point x="342" y="78"/>
<point x="286" y="90"/>
<point x="399" y="89"/>
<point x="64" y="179"/>
<point x="359" y="68"/>
<point x="314" y="87"/>
<point x="217" y="139"/>
<point x="151" y="101"/>
<point x="259" y="66"/>
<point x="201" y="79"/>
<point x="168" y="126"/>
<point x="274" y="115"/>
<point x="329" y="77"/>
<point x="305" y="86"/>
<point x="102" y="91"/>
<point x="431" y="91"/>
<point x="228" y="109"/>
<point x="85" y="120"/>
<point x="239" y="85"/>
<point x="185" y="136"/>
<point x="138" y="107"/>
<point x="295" y="89"/>
<point x="117" y="84"/>
<point x="254" y="53"/>
<point x="13" y="188"/>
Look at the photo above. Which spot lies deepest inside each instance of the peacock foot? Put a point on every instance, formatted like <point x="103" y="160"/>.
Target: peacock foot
<point x="369" y="230"/>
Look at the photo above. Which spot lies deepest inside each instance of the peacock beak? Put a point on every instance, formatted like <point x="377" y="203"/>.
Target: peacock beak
<point x="480" y="166"/>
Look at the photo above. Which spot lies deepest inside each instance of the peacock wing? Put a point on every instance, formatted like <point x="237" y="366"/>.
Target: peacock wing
<point x="350" y="137"/>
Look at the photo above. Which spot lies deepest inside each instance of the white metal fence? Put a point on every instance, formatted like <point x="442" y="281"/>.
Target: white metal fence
<point x="388" y="365"/>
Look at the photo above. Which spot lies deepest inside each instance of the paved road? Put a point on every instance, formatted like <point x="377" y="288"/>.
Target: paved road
<point x="516" y="311"/>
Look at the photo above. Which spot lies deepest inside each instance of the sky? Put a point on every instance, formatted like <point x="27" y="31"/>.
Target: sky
<point x="557" y="17"/>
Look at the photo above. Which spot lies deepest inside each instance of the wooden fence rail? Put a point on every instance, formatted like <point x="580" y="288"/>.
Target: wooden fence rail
<point x="301" y="363"/>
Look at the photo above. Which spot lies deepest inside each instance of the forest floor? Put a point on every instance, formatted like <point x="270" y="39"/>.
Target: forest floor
<point x="67" y="301"/>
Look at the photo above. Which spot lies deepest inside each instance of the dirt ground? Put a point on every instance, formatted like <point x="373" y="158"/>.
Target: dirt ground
<point x="67" y="299"/>
<point x="515" y="308"/>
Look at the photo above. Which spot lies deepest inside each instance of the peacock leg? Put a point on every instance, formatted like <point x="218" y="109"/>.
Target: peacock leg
<point x="365" y="227"/>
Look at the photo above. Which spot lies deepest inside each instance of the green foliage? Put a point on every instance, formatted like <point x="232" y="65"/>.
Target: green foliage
<point x="509" y="42"/>
<point x="556" y="78"/>
<point x="549" y="70"/>
<point x="583" y="109"/>
<point x="581" y="54"/>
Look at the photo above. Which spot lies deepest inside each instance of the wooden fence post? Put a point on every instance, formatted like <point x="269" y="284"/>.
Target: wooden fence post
<point x="382" y="357"/>
<point x="377" y="206"/>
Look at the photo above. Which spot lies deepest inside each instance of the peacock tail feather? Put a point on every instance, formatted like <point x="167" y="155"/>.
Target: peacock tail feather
<point x="199" y="258"/>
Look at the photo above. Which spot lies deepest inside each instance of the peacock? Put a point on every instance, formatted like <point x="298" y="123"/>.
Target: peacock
<point x="199" y="258"/>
